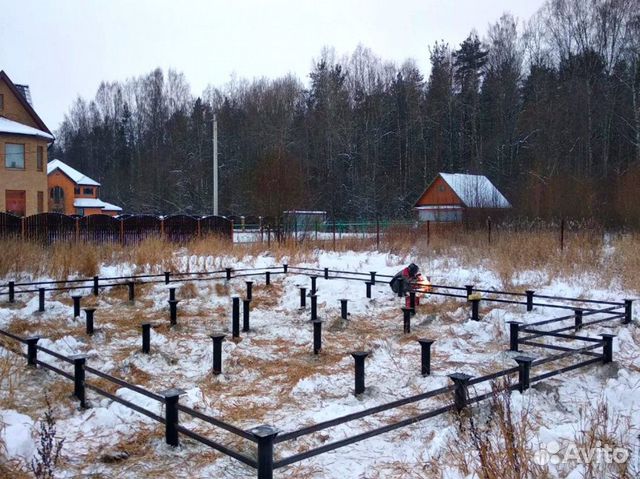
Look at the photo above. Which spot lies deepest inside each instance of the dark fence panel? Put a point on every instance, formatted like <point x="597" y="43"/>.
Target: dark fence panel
<point x="180" y="228"/>
<point x="217" y="225"/>
<point x="10" y="225"/>
<point x="139" y="227"/>
<point x="125" y="229"/>
<point x="50" y="227"/>
<point x="99" y="229"/>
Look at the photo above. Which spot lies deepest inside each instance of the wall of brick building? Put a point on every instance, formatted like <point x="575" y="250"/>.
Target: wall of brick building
<point x="30" y="179"/>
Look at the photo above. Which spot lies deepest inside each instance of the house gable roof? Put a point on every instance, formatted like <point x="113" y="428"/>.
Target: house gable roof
<point x="474" y="191"/>
<point x="25" y="104"/>
<point x="16" y="128"/>
<point x="73" y="174"/>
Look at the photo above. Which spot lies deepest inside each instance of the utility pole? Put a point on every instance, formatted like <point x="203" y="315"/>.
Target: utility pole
<point x="214" y="126"/>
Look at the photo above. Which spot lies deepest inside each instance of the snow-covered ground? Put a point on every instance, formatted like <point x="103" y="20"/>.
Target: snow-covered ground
<point x="271" y="376"/>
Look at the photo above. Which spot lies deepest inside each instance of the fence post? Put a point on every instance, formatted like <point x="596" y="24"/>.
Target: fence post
<point x="578" y="319"/>
<point x="628" y="311"/>
<point x="368" y="285"/>
<point x="173" y="311"/>
<point x="264" y="436"/>
<point x="171" y="398"/>
<point x="334" y="234"/>
<point x="76" y="305"/>
<point x="461" y="391"/>
<point x="217" y="338"/>
<point x="228" y="272"/>
<point x="529" y="293"/>
<point x="412" y="302"/>
<point x="425" y="355"/>
<point x="314" y="307"/>
<point x="172" y="294"/>
<point x="343" y="308"/>
<point x="469" y="288"/>
<point x="235" y="317"/>
<point x="249" y="290"/>
<point x="373" y="277"/>
<point x="41" y="300"/>
<point x="303" y="297"/>
<point x="285" y="268"/>
<point x="12" y="291"/>
<point x="245" y="315"/>
<point x="32" y="350"/>
<point x="132" y="291"/>
<point x="167" y="277"/>
<point x="326" y="273"/>
<point x="79" y="361"/>
<point x="475" y="309"/>
<point x="267" y="278"/>
<point x="96" y="286"/>
<point x="406" y="319"/>
<point x="401" y="288"/>
<point x="146" y="338"/>
<point x="317" y="336"/>
<point x="313" y="284"/>
<point x="88" y="312"/>
<point x="359" y="357"/>
<point x="607" y="347"/>
<point x="524" y="372"/>
<point x="514" y="329"/>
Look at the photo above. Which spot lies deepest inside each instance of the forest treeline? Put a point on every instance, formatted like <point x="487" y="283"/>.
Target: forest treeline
<point x="548" y="108"/>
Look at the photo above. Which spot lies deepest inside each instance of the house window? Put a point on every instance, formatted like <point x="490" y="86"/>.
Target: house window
<point x="16" y="202"/>
<point x="1" y="102"/>
<point x="14" y="155"/>
<point x="441" y="188"/>
<point x="40" y="202"/>
<point x="76" y="191"/>
<point x="57" y="194"/>
<point x="88" y="191"/>
<point x="40" y="158"/>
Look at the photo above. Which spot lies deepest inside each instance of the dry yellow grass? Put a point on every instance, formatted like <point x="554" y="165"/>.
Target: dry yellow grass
<point x="509" y="253"/>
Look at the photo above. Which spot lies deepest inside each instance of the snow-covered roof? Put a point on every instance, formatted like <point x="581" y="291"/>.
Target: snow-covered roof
<point x="95" y="203"/>
<point x="77" y="177"/>
<point x="88" y="203"/>
<point x="111" y="207"/>
<point x="15" y="128"/>
<point x="304" y="212"/>
<point x="475" y="191"/>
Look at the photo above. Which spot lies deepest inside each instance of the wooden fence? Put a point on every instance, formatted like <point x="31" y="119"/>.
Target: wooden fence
<point x="53" y="227"/>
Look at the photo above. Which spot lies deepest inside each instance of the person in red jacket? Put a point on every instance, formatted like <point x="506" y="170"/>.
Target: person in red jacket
<point x="407" y="279"/>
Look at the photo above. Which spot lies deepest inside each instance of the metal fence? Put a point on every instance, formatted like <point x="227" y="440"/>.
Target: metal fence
<point x="127" y="229"/>
<point x="456" y="396"/>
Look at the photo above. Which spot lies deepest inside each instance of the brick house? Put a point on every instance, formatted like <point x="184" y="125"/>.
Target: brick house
<point x="452" y="196"/>
<point x="24" y="140"/>
<point x="74" y="193"/>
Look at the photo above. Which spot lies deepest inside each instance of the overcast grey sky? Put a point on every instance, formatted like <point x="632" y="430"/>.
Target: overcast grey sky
<point x="65" y="48"/>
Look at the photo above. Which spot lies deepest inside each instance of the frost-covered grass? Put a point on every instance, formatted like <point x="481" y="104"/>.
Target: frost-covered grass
<point x="271" y="376"/>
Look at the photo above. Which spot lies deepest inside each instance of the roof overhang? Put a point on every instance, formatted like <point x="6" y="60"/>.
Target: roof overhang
<point x="23" y="101"/>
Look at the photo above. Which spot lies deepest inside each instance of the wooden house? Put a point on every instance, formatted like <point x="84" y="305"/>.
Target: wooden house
<point x="24" y="140"/>
<point x="74" y="193"/>
<point x="452" y="196"/>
